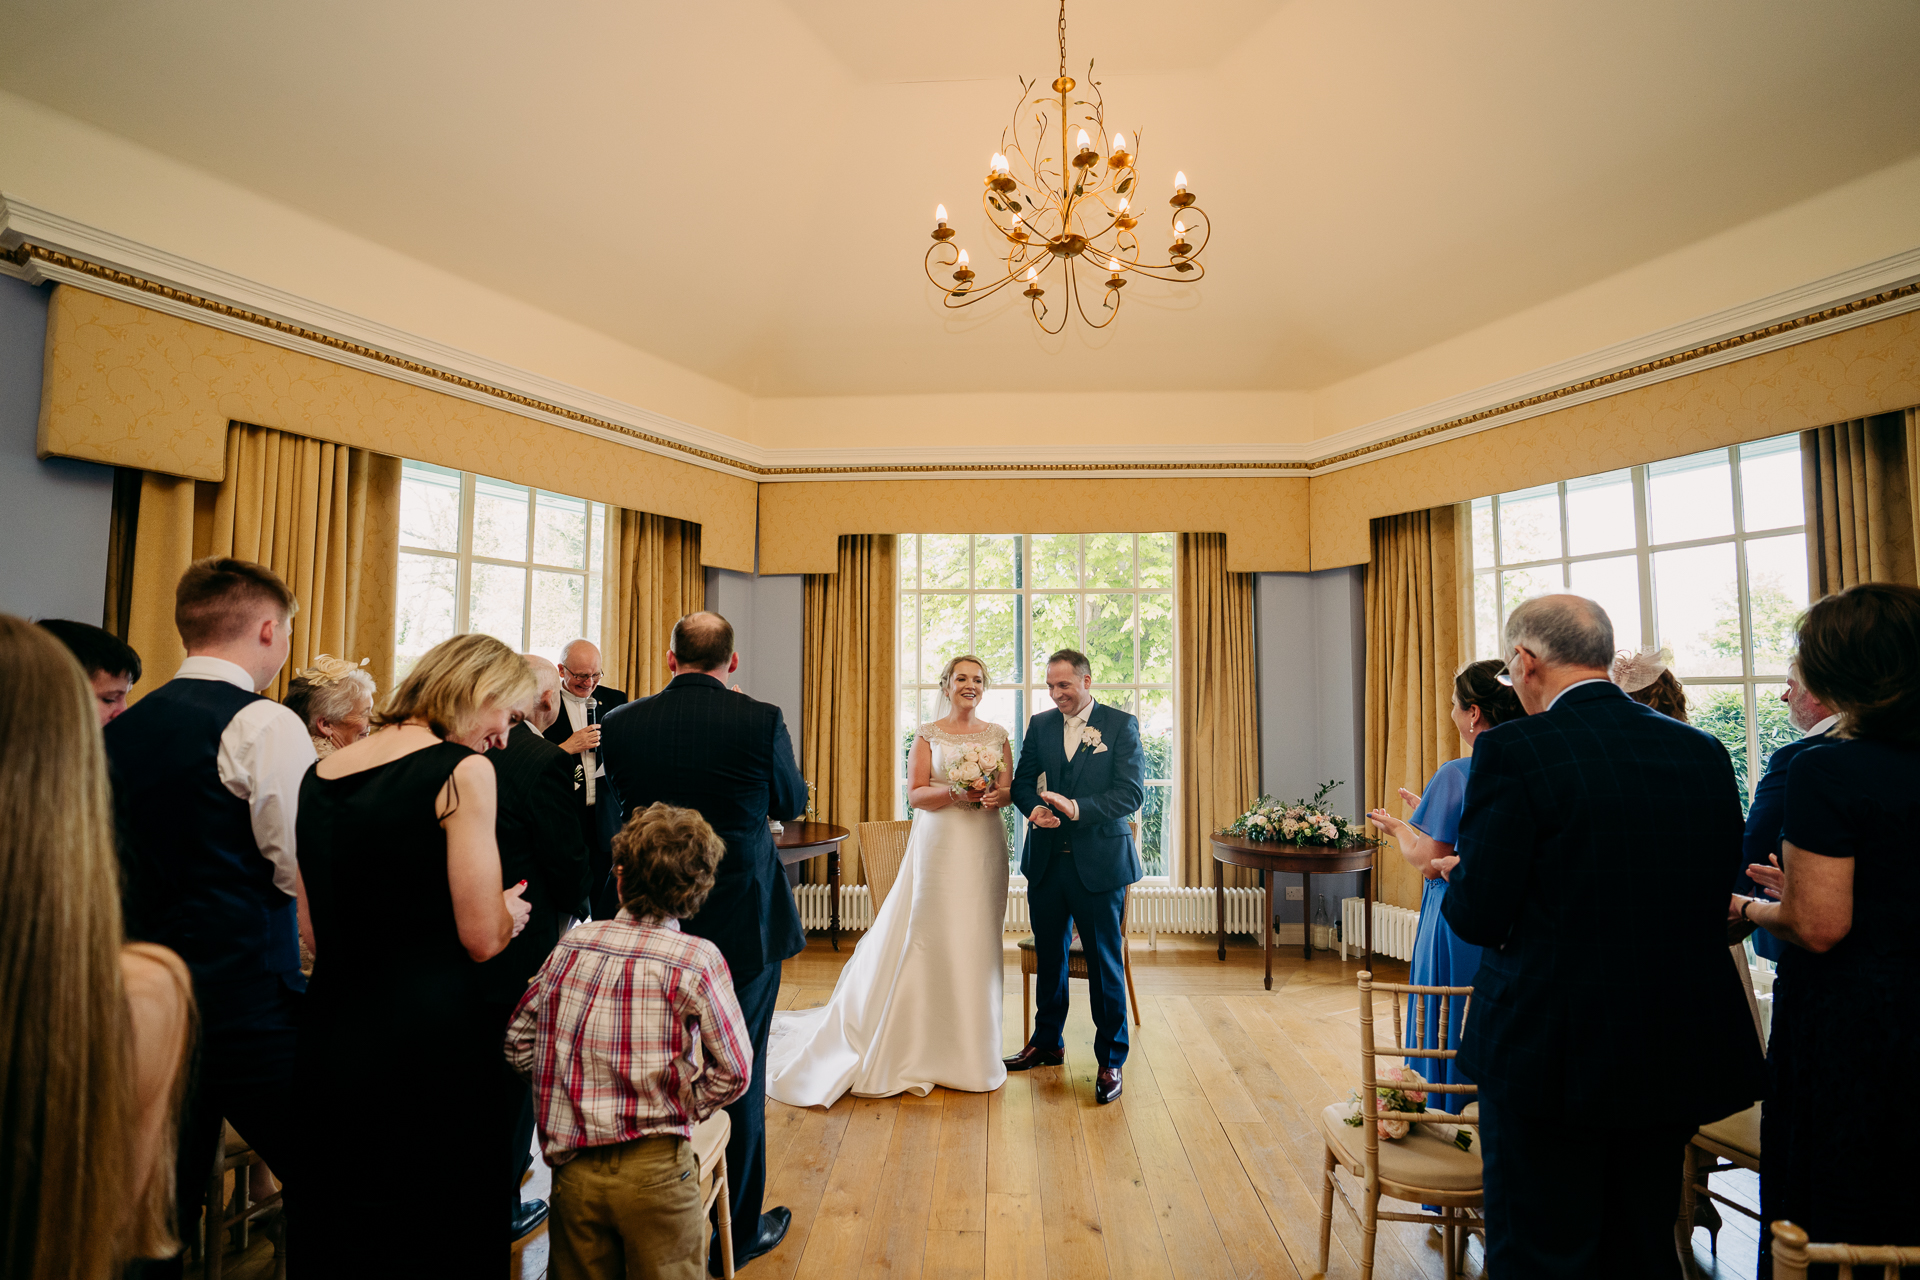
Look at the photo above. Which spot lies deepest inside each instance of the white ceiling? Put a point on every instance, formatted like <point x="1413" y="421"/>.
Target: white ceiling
<point x="745" y="188"/>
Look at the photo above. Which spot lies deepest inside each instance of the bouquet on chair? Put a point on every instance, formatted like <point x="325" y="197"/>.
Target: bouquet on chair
<point x="973" y="766"/>
<point x="1400" y="1091"/>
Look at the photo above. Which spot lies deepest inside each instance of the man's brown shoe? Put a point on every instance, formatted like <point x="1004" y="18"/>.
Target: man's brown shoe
<point x="1106" y="1085"/>
<point x="1031" y="1056"/>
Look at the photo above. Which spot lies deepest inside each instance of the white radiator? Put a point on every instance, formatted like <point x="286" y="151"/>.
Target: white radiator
<point x="1156" y="909"/>
<point x="1393" y="929"/>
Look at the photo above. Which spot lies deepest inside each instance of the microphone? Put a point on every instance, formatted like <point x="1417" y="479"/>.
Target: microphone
<point x="592" y="758"/>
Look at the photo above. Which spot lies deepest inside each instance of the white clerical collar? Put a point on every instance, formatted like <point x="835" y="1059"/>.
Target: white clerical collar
<point x="576" y="701"/>
<point x="1575" y="685"/>
<point x="1821" y="727"/>
<point x="207" y="667"/>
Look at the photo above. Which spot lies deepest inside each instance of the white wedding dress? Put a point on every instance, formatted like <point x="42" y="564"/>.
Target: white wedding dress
<point x="918" y="1004"/>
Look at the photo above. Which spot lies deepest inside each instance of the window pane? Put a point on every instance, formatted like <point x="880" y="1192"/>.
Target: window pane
<point x="558" y="603"/>
<point x="1600" y="513"/>
<point x="597" y="523"/>
<point x="909" y="637"/>
<point x="560" y="530"/>
<point x="1777" y="596"/>
<point x="497" y="603"/>
<point x="1056" y="560"/>
<point x="1721" y="709"/>
<point x="499" y="519"/>
<point x="1056" y="625"/>
<point x="1110" y="638"/>
<point x="943" y="559"/>
<point x="1119" y="699"/>
<point x="1770" y="723"/>
<point x="1530" y="525"/>
<point x="426" y="608"/>
<point x="1770" y="493"/>
<point x="1001" y="707"/>
<point x="943" y="632"/>
<point x="1156" y="638"/>
<point x="1156" y="560"/>
<point x="1156" y="732"/>
<point x="1615" y="585"/>
<point x="1525" y="584"/>
<point x="995" y="635"/>
<point x="1109" y="559"/>
<point x="909" y="552"/>
<point x="1155" y="830"/>
<point x="1486" y="618"/>
<point x="1690" y="497"/>
<point x="429" y="507"/>
<point x="1697" y="610"/>
<point x="593" y="631"/>
<point x="1483" y="532"/>
<point x="996" y="560"/>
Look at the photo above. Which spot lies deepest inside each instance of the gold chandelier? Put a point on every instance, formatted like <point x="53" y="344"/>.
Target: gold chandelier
<point x="1064" y="211"/>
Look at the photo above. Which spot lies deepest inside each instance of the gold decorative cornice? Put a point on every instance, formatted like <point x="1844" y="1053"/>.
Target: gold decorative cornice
<point x="27" y="251"/>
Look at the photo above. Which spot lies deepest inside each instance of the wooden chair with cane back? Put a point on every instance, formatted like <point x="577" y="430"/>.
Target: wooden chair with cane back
<point x="882" y="846"/>
<point x="1077" y="959"/>
<point x="710" y="1148"/>
<point x="231" y="1216"/>
<point x="1792" y="1255"/>
<point x="1422" y="1167"/>
<point x="1729" y="1143"/>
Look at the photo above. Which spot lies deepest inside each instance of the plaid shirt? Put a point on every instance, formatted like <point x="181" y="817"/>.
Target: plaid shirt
<point x="629" y="1029"/>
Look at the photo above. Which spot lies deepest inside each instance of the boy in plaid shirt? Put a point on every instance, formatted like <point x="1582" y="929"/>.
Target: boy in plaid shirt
<point x="631" y="1036"/>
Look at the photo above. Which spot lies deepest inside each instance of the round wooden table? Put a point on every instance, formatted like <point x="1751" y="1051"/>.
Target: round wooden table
<point x="801" y="841"/>
<point x="1304" y="861"/>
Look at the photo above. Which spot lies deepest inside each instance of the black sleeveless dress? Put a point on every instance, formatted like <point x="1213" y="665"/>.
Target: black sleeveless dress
<point x="399" y="1057"/>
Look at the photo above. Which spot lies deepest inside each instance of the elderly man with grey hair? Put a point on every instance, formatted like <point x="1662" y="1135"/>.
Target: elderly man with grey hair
<point x="584" y="703"/>
<point x="1608" y="1022"/>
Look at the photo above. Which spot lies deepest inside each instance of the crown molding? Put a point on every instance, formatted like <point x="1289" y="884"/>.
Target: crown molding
<point x="39" y="245"/>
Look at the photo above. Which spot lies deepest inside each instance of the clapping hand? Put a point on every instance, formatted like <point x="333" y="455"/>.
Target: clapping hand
<point x="1445" y="865"/>
<point x="1043" y="817"/>
<point x="518" y="907"/>
<point x="1061" y="805"/>
<point x="1770" y="878"/>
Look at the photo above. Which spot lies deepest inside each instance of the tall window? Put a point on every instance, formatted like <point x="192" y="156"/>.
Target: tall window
<point x="1705" y="554"/>
<point x="484" y="555"/>
<point x="1014" y="599"/>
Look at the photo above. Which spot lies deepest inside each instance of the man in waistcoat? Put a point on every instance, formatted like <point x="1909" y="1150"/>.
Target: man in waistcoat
<point x="209" y="776"/>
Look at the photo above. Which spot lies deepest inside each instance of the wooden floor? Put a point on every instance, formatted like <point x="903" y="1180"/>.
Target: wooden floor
<point x="1208" y="1166"/>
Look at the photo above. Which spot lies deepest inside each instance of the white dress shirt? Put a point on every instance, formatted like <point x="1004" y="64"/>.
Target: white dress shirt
<point x="1575" y="685"/>
<point x="264" y="753"/>
<point x="1822" y="727"/>
<point x="576" y="709"/>
<point x="1074" y="729"/>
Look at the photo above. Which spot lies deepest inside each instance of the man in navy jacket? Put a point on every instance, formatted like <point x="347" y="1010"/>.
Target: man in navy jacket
<point x="1608" y="1022"/>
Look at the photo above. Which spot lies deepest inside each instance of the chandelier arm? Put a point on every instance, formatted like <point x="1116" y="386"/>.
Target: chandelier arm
<point x="1080" y="305"/>
<point x="1206" y="228"/>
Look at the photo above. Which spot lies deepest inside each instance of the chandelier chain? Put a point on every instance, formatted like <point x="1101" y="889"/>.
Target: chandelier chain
<point x="1063" y="37"/>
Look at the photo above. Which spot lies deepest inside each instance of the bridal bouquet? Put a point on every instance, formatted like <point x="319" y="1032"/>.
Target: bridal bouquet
<point x="974" y="765"/>
<point x="1304" y="822"/>
<point x="1400" y="1091"/>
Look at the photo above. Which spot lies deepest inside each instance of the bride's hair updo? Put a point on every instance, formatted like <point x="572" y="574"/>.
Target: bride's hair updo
<point x="946" y="674"/>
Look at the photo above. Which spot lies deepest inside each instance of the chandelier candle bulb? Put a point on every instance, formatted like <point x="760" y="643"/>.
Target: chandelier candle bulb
<point x="1180" y="196"/>
<point x="941" y="230"/>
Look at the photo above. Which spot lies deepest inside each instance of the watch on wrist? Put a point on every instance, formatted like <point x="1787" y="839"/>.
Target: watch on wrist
<point x="1744" y="908"/>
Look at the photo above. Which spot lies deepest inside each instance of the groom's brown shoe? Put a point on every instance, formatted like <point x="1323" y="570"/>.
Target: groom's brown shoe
<point x="1031" y="1056"/>
<point x="1106" y="1085"/>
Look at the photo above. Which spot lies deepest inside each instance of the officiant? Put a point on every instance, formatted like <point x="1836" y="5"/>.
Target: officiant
<point x="576" y="731"/>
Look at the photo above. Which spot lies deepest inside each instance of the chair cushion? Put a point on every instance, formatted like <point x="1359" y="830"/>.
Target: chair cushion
<point x="1739" y="1132"/>
<point x="710" y="1141"/>
<point x="1073" y="948"/>
<point x="1417" y="1160"/>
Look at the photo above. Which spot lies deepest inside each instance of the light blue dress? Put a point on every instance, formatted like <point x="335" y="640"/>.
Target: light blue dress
<point x="1439" y="958"/>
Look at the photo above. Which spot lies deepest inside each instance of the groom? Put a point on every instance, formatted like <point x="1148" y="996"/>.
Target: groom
<point x="1079" y="860"/>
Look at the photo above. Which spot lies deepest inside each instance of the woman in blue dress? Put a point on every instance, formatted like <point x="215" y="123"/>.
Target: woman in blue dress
<point x="1426" y="841"/>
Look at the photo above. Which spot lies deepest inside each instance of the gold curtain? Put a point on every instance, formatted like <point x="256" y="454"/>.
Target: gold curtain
<point x="1219" y="704"/>
<point x="1415" y="642"/>
<point x="848" y="740"/>
<point x="325" y="517"/>
<point x="1862" y="485"/>
<point x="658" y="580"/>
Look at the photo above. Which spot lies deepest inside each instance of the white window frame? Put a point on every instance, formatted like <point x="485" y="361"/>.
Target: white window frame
<point x="597" y="583"/>
<point x="1031" y="695"/>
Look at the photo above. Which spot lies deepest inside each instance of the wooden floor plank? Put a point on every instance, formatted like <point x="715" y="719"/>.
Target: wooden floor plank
<point x="956" y="1255"/>
<point x="1135" y="1248"/>
<point x="1069" y="1212"/>
<point x="838" y="1241"/>
<point x="897" y="1242"/>
<point x="1016" y="1240"/>
<point x="797" y="1178"/>
<point x="960" y="1176"/>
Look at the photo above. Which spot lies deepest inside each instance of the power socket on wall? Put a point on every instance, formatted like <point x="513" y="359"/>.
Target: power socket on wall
<point x="1295" y="893"/>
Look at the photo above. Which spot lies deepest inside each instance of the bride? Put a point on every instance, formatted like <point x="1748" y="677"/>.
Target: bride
<point x="918" y="1004"/>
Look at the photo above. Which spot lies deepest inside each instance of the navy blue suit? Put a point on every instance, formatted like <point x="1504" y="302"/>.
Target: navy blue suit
<point x="1764" y="818"/>
<point x="1079" y="871"/>
<point x="1597" y="846"/>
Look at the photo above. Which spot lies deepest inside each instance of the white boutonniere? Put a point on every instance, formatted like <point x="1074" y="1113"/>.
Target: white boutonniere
<point x="1090" y="737"/>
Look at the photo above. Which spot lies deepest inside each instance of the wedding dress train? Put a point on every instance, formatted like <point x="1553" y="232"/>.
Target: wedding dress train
<point x="919" y="1002"/>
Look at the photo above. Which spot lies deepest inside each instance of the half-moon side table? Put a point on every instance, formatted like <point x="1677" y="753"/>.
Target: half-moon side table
<point x="1305" y="861"/>
<point x="802" y="841"/>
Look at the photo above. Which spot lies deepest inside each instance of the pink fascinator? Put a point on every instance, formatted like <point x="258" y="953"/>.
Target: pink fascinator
<point x="1635" y="671"/>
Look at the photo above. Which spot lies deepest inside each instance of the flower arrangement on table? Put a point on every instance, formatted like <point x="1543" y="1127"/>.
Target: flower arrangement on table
<point x="973" y="768"/>
<point x="1304" y="822"/>
<point x="1400" y="1091"/>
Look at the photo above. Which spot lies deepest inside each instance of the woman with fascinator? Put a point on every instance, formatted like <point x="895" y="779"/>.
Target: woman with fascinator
<point x="1440" y="959"/>
<point x="335" y="699"/>
<point x="1647" y="677"/>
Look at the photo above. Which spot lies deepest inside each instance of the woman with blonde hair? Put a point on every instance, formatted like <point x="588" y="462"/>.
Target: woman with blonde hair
<point x="918" y="1005"/>
<point x="94" y="1032"/>
<point x="396" y="837"/>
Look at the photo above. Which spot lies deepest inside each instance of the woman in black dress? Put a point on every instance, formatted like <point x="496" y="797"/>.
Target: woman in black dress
<point x="1845" y="1029"/>
<point x="398" y="1052"/>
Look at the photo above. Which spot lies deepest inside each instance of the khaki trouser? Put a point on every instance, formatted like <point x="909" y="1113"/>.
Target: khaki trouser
<point x="630" y="1210"/>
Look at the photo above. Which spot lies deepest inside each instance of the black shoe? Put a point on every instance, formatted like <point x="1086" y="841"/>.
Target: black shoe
<point x="529" y="1215"/>
<point x="773" y="1229"/>
<point x="1106" y="1085"/>
<point x="1031" y="1056"/>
